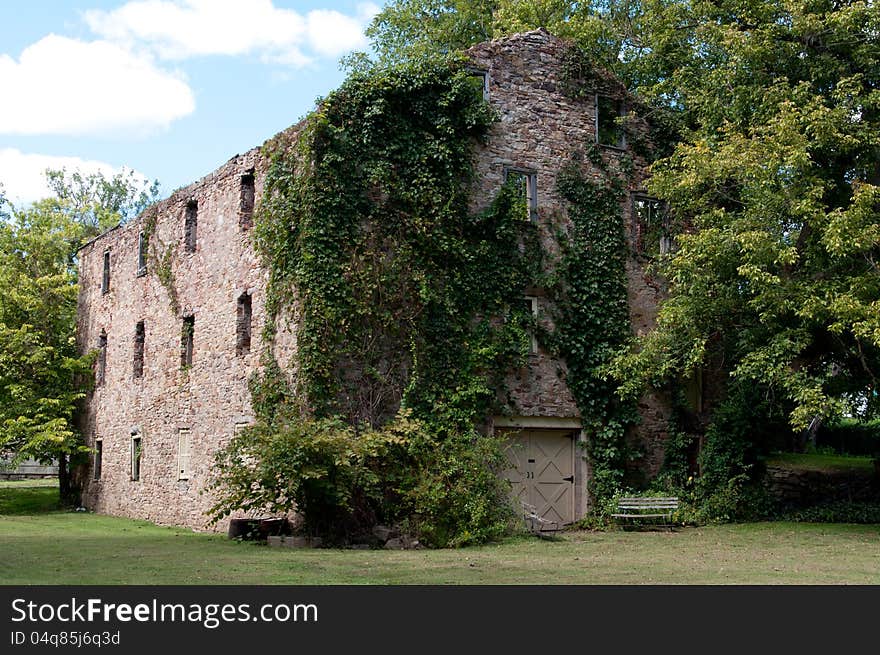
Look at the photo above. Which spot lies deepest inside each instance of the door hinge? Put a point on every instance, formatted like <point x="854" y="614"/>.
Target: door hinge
<point x="570" y="478"/>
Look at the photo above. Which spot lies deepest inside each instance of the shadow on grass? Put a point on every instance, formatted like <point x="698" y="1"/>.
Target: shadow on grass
<point x="21" y="500"/>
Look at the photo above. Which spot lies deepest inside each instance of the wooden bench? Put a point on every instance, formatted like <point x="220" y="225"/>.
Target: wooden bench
<point x="653" y="511"/>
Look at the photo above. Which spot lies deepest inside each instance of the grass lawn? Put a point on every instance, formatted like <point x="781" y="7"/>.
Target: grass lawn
<point x="41" y="545"/>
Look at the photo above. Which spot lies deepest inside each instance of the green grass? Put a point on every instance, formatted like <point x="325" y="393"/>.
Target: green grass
<point x="43" y="545"/>
<point x="824" y="463"/>
<point x="36" y="482"/>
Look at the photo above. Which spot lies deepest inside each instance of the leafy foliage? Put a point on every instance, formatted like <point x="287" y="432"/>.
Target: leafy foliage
<point x="98" y="203"/>
<point x="779" y="180"/>
<point x="344" y="479"/>
<point x="589" y="286"/>
<point x="39" y="366"/>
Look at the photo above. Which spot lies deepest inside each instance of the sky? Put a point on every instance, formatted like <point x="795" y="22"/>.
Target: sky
<point x="169" y="88"/>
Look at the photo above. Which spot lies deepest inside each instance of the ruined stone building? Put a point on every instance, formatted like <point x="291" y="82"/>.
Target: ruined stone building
<point x="174" y="302"/>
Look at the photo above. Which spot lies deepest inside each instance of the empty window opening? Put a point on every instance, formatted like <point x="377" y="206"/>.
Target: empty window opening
<point x="609" y="122"/>
<point x="183" y="453"/>
<point x="190" y="225"/>
<point x="142" y="254"/>
<point x="186" y="341"/>
<point x="105" y="278"/>
<point x="526" y="184"/>
<point x="243" y="325"/>
<point x="101" y="368"/>
<point x="531" y="306"/>
<point x="246" y="208"/>
<point x="136" y="455"/>
<point x="651" y="228"/>
<point x="480" y="80"/>
<point x="139" y="337"/>
<point x="99" y="457"/>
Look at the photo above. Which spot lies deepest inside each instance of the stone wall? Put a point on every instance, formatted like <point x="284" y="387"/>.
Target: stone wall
<point x="539" y="130"/>
<point x="799" y="488"/>
<point x="209" y="398"/>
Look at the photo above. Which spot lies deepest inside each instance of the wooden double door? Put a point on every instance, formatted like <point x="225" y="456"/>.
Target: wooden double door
<point x="541" y="471"/>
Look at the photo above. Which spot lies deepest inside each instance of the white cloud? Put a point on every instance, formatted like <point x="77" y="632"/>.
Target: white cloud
<point x="179" y="29"/>
<point x="67" y="86"/>
<point x="23" y="175"/>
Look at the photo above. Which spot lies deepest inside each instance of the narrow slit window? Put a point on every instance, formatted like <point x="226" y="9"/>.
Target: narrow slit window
<point x="139" y="337"/>
<point x="101" y="367"/>
<point x="190" y="225"/>
<point x="246" y="206"/>
<point x="243" y="325"/>
<point x="609" y="126"/>
<point x="142" y="254"/>
<point x="531" y="305"/>
<point x="105" y="277"/>
<point x="526" y="184"/>
<point x="99" y="459"/>
<point x="480" y="80"/>
<point x="183" y="453"/>
<point x="136" y="456"/>
<point x="186" y="341"/>
<point x="650" y="225"/>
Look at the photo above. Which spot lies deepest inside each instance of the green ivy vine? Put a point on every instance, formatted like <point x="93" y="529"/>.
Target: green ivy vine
<point x="408" y="309"/>
<point x="592" y="322"/>
<point x="160" y="257"/>
<point x="366" y="231"/>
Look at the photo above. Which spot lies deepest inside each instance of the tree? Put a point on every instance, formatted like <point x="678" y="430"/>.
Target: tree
<point x="41" y="375"/>
<point x="96" y="202"/>
<point x="640" y="41"/>
<point x="775" y="278"/>
<point x="411" y="28"/>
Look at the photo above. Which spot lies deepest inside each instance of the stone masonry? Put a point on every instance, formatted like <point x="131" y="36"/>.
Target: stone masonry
<point x="159" y="417"/>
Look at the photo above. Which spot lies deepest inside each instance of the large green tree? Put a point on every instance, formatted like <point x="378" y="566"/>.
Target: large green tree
<point x="775" y="281"/>
<point x="778" y="185"/>
<point x="41" y="375"/>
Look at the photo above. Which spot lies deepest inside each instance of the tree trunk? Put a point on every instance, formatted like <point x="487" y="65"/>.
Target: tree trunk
<point x="68" y="491"/>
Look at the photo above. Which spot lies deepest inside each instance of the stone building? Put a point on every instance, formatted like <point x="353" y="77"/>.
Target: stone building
<point x="174" y="302"/>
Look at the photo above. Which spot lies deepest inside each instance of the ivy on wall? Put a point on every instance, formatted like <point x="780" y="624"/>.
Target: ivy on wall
<point x="588" y="287"/>
<point x="160" y="257"/>
<point x="401" y="293"/>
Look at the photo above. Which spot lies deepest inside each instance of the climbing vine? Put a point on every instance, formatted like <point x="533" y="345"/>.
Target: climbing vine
<point x="590" y="295"/>
<point x="407" y="307"/>
<point x="366" y="222"/>
<point x="159" y="258"/>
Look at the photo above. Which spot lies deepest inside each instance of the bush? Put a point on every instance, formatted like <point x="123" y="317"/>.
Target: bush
<point x="342" y="481"/>
<point x="455" y="494"/>
<point x="323" y="468"/>
<point x="836" y="512"/>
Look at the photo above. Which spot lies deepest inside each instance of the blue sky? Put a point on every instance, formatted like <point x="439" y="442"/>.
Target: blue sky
<point x="169" y="88"/>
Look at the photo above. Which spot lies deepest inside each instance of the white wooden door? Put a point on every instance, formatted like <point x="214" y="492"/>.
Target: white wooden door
<point x="541" y="472"/>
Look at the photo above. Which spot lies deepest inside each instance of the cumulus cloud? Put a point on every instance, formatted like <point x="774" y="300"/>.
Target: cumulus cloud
<point x="179" y="29"/>
<point x="61" y="85"/>
<point x="23" y="175"/>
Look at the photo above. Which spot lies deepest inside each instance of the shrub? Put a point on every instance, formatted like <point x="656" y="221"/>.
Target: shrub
<point x="444" y="489"/>
<point x="324" y="468"/>
<point x="454" y="492"/>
